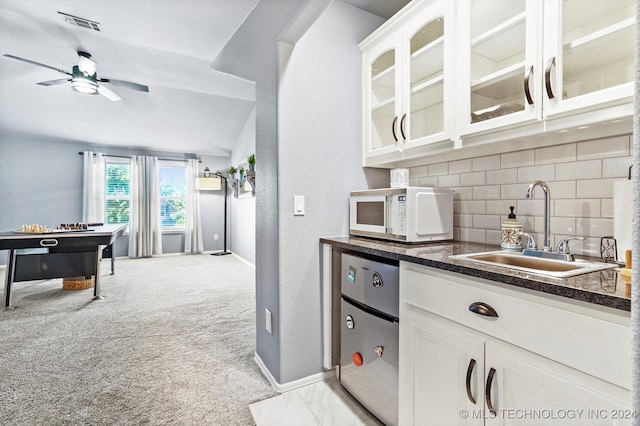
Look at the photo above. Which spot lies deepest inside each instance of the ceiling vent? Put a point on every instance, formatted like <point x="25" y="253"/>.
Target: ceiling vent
<point x="80" y="22"/>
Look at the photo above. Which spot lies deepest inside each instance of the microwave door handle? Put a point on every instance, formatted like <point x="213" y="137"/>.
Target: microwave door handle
<point x="387" y="217"/>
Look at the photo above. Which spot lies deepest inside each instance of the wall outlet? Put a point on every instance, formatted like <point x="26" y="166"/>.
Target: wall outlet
<point x="267" y="321"/>
<point x="215" y="237"/>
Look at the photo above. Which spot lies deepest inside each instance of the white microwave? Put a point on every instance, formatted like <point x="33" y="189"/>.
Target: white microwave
<point x="410" y="215"/>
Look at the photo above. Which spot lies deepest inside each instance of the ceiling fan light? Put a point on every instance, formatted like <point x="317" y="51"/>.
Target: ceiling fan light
<point x="84" y="86"/>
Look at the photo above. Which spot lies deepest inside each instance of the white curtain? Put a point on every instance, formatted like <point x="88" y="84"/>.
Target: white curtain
<point x="193" y="242"/>
<point x="145" y="236"/>
<point x="93" y="188"/>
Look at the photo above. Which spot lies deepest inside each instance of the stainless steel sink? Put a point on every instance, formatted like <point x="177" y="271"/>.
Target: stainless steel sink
<point x="534" y="265"/>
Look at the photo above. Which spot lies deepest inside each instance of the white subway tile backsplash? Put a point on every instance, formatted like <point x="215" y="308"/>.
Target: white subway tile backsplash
<point x="438" y="169"/>
<point x="591" y="169"/>
<point x="517" y="159"/>
<point x="564" y="189"/>
<point x="431" y="181"/>
<point x="502" y="176"/>
<point x="611" y="147"/>
<point x="493" y="237"/>
<point x="500" y="207"/>
<point x="533" y="173"/>
<point x="472" y="179"/>
<point x="606" y="208"/>
<point x="616" y="167"/>
<point x="517" y="191"/>
<point x="420" y="171"/>
<point x="578" y="208"/>
<point x="448" y="181"/>
<point x="595" y="188"/>
<point x="563" y="225"/>
<point x="490" y="192"/>
<point x="461" y="166"/>
<point x="490" y="162"/>
<point x="556" y="154"/>
<point x="470" y="207"/>
<point x="595" y="227"/>
<point x="473" y="235"/>
<point x="463" y="220"/>
<point x="580" y="176"/>
<point x="531" y="207"/>
<point x="463" y="193"/>
<point x="483" y="221"/>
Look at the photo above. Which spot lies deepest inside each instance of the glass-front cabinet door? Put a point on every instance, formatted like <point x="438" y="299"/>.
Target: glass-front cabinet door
<point x="428" y="109"/>
<point x="589" y="54"/>
<point x="408" y="86"/>
<point x="381" y="99"/>
<point x="499" y="45"/>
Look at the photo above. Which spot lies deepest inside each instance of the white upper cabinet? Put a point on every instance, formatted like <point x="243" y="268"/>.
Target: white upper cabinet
<point x="588" y="54"/>
<point x="523" y="61"/>
<point x="499" y="55"/>
<point x="408" y="83"/>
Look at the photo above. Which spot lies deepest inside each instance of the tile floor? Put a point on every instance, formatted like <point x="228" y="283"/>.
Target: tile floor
<point x="319" y="404"/>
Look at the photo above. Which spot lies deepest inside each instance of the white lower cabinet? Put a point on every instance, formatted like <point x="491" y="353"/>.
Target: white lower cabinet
<point x="462" y="368"/>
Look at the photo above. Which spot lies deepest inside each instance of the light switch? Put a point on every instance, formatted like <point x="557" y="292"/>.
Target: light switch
<point x="298" y="205"/>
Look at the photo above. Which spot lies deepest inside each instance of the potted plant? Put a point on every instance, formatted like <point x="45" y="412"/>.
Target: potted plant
<point x="251" y="160"/>
<point x="231" y="171"/>
<point x="241" y="171"/>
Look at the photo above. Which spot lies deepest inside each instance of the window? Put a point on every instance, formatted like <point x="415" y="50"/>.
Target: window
<point x="173" y="204"/>
<point x="117" y="198"/>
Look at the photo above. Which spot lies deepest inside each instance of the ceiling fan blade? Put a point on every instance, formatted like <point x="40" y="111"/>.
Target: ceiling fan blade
<point x="108" y="93"/>
<point x="128" y="84"/>
<point x="54" y="82"/>
<point x="29" y="61"/>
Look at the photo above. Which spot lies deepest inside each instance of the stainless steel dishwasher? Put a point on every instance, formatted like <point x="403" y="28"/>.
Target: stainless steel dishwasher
<point x="369" y="334"/>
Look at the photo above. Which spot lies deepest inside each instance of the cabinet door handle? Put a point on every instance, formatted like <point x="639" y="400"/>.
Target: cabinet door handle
<point x="547" y="77"/>
<point x="49" y="242"/>
<point x="487" y="391"/>
<point x="393" y="128"/>
<point x="402" y="125"/>
<point x="482" y="308"/>
<point x="527" y="88"/>
<point x="472" y="364"/>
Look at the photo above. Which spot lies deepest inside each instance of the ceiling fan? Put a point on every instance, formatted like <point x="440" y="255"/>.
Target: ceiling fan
<point x="84" y="79"/>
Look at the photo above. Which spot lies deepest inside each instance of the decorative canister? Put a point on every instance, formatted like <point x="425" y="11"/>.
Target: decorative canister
<point x="511" y="237"/>
<point x="399" y="178"/>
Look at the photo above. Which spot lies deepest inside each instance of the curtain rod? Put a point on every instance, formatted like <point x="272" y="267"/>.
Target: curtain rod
<point x="163" y="159"/>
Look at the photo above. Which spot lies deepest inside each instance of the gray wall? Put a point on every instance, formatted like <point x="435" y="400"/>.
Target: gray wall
<point x="41" y="182"/>
<point x="319" y="110"/>
<point x="243" y="217"/>
<point x="252" y="54"/>
<point x="307" y="143"/>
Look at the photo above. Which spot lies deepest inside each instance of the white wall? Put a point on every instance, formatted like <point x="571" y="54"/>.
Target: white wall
<point x="319" y="157"/>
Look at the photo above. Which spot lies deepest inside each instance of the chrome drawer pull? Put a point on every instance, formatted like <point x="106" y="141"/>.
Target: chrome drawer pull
<point x="49" y="243"/>
<point x="482" y="308"/>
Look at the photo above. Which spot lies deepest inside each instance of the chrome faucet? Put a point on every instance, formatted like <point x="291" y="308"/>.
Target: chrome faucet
<point x="546" y="246"/>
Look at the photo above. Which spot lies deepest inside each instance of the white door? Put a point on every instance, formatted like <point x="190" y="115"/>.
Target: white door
<point x="588" y="54"/>
<point x="441" y="371"/>
<point x="528" y="390"/>
<point x="499" y="63"/>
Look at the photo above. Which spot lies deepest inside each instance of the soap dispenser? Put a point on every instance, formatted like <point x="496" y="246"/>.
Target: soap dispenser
<point x="511" y="237"/>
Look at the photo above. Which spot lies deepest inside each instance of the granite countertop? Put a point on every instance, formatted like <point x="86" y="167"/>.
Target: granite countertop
<point x="603" y="288"/>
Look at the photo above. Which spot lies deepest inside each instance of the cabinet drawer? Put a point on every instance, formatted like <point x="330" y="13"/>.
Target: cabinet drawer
<point x="585" y="337"/>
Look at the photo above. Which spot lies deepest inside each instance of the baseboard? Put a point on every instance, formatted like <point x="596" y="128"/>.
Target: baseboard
<point x="280" y="388"/>
<point x="244" y="260"/>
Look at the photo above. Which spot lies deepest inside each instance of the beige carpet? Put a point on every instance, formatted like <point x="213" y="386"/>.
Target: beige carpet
<point x="172" y="343"/>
